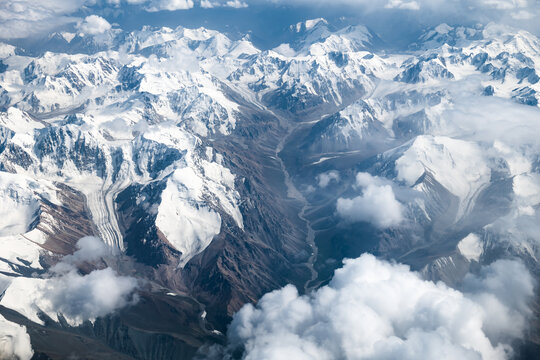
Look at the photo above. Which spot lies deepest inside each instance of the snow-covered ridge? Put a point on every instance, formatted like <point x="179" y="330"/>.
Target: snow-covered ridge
<point x="102" y="122"/>
<point x="457" y="165"/>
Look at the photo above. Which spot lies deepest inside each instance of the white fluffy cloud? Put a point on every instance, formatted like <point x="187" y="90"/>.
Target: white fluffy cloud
<point x="503" y="290"/>
<point x="89" y="248"/>
<point x="471" y="247"/>
<point x="505" y="4"/>
<point x="131" y="2"/>
<point x="75" y="296"/>
<point x="14" y="341"/>
<point x="527" y="189"/>
<point x="373" y="309"/>
<point x="377" y="204"/>
<point x="94" y="25"/>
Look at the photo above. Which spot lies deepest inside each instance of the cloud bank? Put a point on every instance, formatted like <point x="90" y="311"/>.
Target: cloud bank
<point x="377" y="204"/>
<point x="373" y="309"/>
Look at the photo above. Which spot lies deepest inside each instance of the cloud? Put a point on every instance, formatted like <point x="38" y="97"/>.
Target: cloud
<point x="89" y="248"/>
<point x="522" y="15"/>
<point x="505" y="4"/>
<point x="24" y="18"/>
<point x="441" y="5"/>
<point x="131" y="2"/>
<point x="86" y="297"/>
<point x="373" y="309"/>
<point x="82" y="297"/>
<point x="419" y="14"/>
<point x="27" y="18"/>
<point x="324" y="179"/>
<point x="77" y="297"/>
<point x="471" y="247"/>
<point x="207" y="4"/>
<point x="400" y="4"/>
<point x="94" y="25"/>
<point x="503" y="289"/>
<point x="527" y="188"/>
<point x="377" y="204"/>
<point x="237" y="4"/>
<point x="14" y="341"/>
<point x="169" y="5"/>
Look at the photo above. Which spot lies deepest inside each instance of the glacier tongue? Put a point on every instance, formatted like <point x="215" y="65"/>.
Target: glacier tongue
<point x="101" y="206"/>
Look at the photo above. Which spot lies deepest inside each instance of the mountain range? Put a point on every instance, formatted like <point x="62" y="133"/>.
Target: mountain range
<point x="155" y="181"/>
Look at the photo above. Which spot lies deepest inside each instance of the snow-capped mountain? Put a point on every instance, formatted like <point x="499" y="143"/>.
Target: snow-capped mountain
<point x="213" y="171"/>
